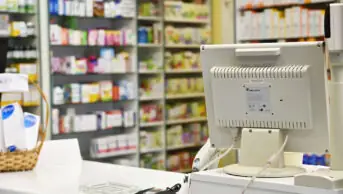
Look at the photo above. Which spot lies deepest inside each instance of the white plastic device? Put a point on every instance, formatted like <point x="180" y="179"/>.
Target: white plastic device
<point x="269" y="90"/>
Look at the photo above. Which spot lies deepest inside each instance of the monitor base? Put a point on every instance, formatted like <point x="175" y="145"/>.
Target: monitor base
<point x="250" y="171"/>
<point x="324" y="179"/>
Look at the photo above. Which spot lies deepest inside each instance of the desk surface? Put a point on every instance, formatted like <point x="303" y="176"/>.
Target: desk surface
<point x="60" y="179"/>
<point x="219" y="182"/>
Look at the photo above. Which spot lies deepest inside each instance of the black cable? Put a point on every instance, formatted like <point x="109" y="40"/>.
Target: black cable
<point x="175" y="188"/>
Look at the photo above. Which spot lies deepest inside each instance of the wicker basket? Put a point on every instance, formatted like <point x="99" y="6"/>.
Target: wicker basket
<point x="25" y="160"/>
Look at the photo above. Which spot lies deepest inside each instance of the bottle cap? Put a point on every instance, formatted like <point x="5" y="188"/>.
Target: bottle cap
<point x="12" y="148"/>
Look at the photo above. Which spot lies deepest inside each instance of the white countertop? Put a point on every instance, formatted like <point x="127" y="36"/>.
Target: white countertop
<point x="217" y="181"/>
<point x="58" y="179"/>
<point x="60" y="170"/>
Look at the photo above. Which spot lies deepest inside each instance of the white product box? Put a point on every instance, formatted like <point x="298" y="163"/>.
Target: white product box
<point x="122" y="142"/>
<point x="101" y="120"/>
<point x="13" y="123"/>
<point x="55" y="121"/>
<point x="114" y="119"/>
<point x="112" y="144"/>
<point x="31" y="126"/>
<point x="85" y="123"/>
<point x="129" y="118"/>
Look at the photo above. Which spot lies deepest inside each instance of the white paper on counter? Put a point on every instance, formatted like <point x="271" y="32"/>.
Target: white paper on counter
<point x="13" y="82"/>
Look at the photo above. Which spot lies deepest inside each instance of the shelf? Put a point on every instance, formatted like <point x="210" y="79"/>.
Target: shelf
<point x="183" y="46"/>
<point x="149" y="98"/>
<point x="149" y="18"/>
<point x="151" y="150"/>
<point x="19" y="37"/>
<point x="16" y="13"/>
<point x="280" y="38"/>
<point x="114" y="154"/>
<point x="92" y="17"/>
<point x="103" y="131"/>
<point x="183" y="121"/>
<point x="87" y="104"/>
<point x="149" y="45"/>
<point x="183" y="71"/>
<point x="94" y="74"/>
<point x="186" y="21"/>
<point x="285" y="5"/>
<point x="30" y="106"/>
<point x="90" y="46"/>
<point x="151" y="124"/>
<point x="150" y="71"/>
<point x="184" y="147"/>
<point x="184" y="96"/>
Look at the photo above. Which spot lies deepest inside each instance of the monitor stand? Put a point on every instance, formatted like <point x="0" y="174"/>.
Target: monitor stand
<point x="257" y="146"/>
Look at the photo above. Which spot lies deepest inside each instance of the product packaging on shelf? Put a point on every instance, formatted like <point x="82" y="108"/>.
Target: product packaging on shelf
<point x="103" y="91"/>
<point x="151" y="139"/>
<point x="149" y="34"/>
<point x="293" y="23"/>
<point x="184" y="85"/>
<point x="148" y="9"/>
<point x="186" y="110"/>
<point x="26" y="99"/>
<point x="71" y="65"/>
<point x="92" y="8"/>
<point x="149" y="64"/>
<point x="112" y="145"/>
<point x="152" y="161"/>
<point x="150" y="113"/>
<point x="181" y="161"/>
<point x="190" y="11"/>
<point x="187" y="35"/>
<point x="151" y="87"/>
<point x="99" y="120"/>
<point x="92" y="37"/>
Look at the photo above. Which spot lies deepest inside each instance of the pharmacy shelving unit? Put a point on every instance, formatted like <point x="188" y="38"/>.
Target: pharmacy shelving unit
<point x="163" y="98"/>
<point x="153" y="51"/>
<point x="85" y="138"/>
<point x="168" y="98"/>
<point x="242" y="27"/>
<point x="24" y="41"/>
<point x="138" y="52"/>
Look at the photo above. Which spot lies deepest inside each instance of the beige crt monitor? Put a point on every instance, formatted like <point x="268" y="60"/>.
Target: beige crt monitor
<point x="267" y="92"/>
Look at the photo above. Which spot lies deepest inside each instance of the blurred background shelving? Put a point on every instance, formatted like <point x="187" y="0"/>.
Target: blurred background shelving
<point x="130" y="76"/>
<point x="19" y="25"/>
<point x="280" y="21"/>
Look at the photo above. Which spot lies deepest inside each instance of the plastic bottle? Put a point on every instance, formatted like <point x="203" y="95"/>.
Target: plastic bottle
<point x="22" y="6"/>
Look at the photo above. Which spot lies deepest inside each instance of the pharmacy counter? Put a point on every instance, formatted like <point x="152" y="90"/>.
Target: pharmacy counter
<point x="57" y="179"/>
<point x="216" y="181"/>
<point x="61" y="170"/>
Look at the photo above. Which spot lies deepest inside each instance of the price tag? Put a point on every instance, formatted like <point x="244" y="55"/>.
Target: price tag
<point x="10" y="82"/>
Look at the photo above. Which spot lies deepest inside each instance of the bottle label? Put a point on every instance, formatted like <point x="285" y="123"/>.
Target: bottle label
<point x="7" y="112"/>
<point x="29" y="121"/>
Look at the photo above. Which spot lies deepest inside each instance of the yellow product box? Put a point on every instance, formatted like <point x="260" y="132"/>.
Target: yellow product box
<point x="29" y="69"/>
<point x="106" y="91"/>
<point x="199" y="85"/>
<point x="94" y="92"/>
<point x="205" y="36"/>
<point x="192" y="85"/>
<point x="172" y="86"/>
<point x="183" y="85"/>
<point x="35" y="96"/>
<point x="11" y="97"/>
